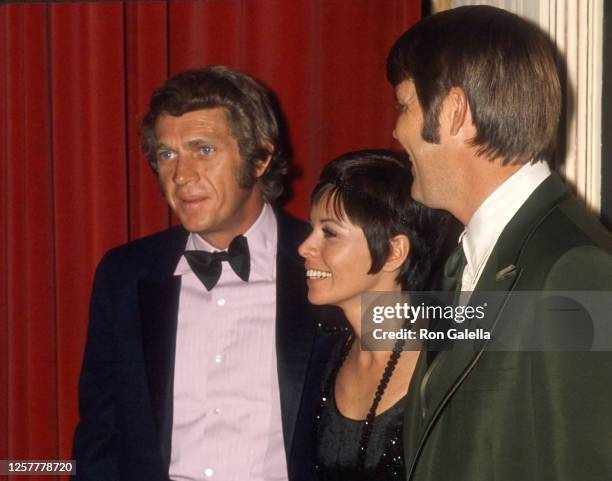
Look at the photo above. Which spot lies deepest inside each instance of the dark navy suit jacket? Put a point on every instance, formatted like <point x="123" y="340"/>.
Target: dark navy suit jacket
<point x="126" y="383"/>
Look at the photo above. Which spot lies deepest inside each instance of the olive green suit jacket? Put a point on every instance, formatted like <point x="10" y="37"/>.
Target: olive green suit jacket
<point x="507" y="416"/>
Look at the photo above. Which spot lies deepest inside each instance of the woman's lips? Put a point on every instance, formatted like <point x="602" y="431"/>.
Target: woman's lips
<point x="315" y="275"/>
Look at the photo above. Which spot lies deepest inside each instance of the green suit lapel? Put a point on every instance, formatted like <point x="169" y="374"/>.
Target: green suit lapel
<point x="504" y="262"/>
<point x="501" y="273"/>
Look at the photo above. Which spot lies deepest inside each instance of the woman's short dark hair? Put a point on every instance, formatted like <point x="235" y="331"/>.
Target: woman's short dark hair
<point x="504" y="64"/>
<point x="372" y="189"/>
<point x="253" y="115"/>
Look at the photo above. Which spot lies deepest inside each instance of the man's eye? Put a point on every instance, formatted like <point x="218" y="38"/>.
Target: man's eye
<point x="165" y="155"/>
<point x="206" y="149"/>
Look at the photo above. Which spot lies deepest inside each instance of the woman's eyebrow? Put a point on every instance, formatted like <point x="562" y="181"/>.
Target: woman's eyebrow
<point x="331" y="220"/>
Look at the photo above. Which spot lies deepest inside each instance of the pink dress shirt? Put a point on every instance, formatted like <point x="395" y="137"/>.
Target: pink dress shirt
<point x="227" y="418"/>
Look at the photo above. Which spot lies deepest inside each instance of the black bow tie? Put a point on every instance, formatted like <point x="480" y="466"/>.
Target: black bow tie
<point x="207" y="265"/>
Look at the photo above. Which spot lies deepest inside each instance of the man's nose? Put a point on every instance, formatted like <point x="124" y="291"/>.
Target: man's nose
<point x="185" y="170"/>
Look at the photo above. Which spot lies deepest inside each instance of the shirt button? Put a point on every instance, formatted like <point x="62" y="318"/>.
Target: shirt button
<point x="218" y="358"/>
<point x="216" y="410"/>
<point x="208" y="472"/>
<point x="221" y="302"/>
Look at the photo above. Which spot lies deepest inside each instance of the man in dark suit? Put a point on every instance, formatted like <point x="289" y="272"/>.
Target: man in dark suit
<point x="200" y="337"/>
<point x="480" y="99"/>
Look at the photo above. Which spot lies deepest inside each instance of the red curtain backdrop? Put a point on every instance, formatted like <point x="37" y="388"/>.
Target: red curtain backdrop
<point x="75" y="80"/>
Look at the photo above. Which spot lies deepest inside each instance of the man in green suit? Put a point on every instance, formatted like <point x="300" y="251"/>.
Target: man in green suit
<point x="480" y="100"/>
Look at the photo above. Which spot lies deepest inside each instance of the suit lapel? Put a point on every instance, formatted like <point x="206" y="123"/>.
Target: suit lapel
<point x="159" y="309"/>
<point x="516" y="234"/>
<point x="501" y="273"/>
<point x="294" y="328"/>
<point x="158" y="297"/>
<point x="450" y="368"/>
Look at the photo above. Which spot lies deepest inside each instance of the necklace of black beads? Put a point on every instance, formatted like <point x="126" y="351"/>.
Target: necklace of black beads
<point x="380" y="390"/>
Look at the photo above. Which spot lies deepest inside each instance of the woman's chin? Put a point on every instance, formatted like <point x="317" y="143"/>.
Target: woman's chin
<point x="315" y="299"/>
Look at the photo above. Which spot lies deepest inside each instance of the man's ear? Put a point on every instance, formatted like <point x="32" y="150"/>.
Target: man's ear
<point x="456" y="110"/>
<point x="262" y="164"/>
<point x="399" y="248"/>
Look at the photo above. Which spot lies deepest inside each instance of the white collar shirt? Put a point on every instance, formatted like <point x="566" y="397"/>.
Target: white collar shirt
<point x="490" y="219"/>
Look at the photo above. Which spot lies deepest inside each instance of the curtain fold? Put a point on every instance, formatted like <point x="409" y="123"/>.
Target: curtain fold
<point x="29" y="349"/>
<point x="75" y="79"/>
<point x="4" y="311"/>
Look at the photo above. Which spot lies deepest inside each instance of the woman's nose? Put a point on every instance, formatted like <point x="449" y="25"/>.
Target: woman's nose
<point x="307" y="248"/>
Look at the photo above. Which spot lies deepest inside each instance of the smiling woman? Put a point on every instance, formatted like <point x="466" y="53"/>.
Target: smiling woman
<point x="368" y="234"/>
<point x="338" y="273"/>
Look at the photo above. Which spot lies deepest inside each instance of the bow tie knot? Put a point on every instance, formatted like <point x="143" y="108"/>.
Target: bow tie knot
<point x="207" y="265"/>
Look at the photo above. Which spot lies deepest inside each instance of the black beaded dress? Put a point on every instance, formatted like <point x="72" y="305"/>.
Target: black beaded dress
<point x="339" y="438"/>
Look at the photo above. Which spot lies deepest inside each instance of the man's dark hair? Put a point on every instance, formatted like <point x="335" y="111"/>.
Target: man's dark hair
<point x="372" y="189"/>
<point x="504" y="64"/>
<point x="253" y="116"/>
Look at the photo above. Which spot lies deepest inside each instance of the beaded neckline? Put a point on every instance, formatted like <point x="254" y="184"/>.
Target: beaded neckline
<point x="368" y="423"/>
<point x="387" y="412"/>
